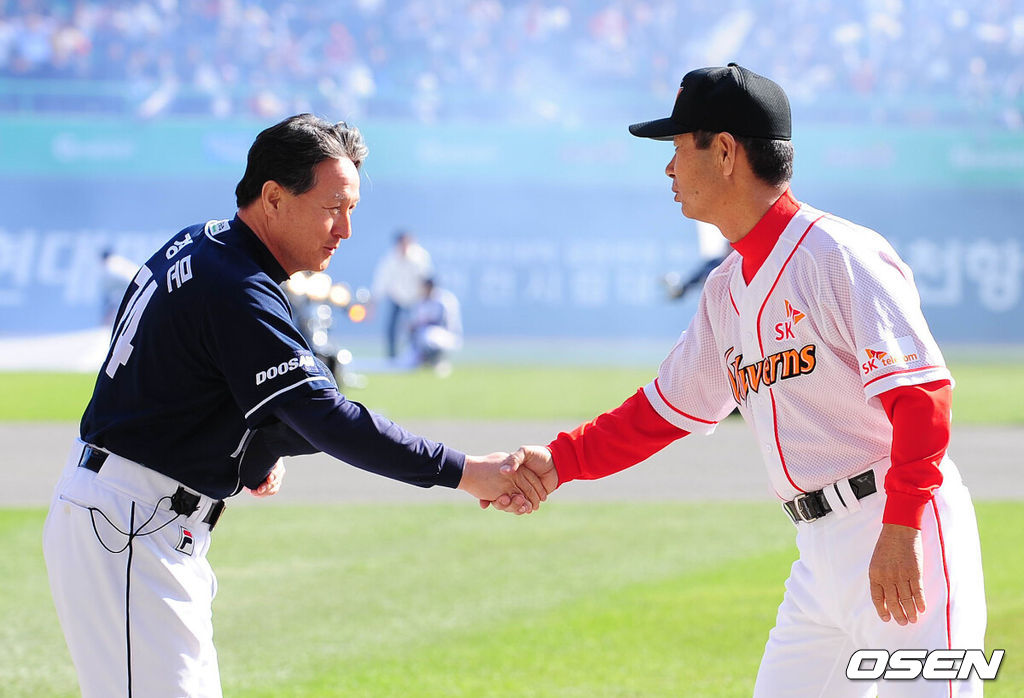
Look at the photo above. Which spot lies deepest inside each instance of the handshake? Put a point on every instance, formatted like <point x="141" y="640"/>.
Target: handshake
<point x="514" y="482"/>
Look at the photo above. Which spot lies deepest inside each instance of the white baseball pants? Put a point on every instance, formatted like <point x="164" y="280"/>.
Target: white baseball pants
<point x="131" y="583"/>
<point x="827" y="613"/>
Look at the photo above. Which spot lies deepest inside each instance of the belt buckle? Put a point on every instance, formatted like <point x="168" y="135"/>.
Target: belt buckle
<point x="803" y="509"/>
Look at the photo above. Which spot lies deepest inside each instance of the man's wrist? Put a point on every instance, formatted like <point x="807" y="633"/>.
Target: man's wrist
<point x="563" y="459"/>
<point x="453" y="468"/>
<point x="904" y="509"/>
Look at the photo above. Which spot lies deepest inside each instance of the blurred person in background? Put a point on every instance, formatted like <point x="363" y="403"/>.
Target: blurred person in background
<point x="398" y="285"/>
<point x="117" y="272"/>
<point x="436" y="328"/>
<point x="713" y="248"/>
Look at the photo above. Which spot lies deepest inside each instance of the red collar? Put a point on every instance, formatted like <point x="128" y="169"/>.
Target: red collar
<point x="756" y="245"/>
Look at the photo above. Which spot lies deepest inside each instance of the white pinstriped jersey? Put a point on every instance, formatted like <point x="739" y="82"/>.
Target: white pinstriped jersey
<point x="830" y="320"/>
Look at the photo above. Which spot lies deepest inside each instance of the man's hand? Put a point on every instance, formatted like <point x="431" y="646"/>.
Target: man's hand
<point x="487" y="479"/>
<point x="895" y="574"/>
<point x="532" y="469"/>
<point x="272" y="484"/>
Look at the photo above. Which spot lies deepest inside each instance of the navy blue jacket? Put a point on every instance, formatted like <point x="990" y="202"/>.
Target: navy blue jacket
<point x="208" y="380"/>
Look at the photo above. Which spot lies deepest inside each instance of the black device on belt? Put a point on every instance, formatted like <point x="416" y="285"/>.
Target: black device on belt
<point x="92" y="459"/>
<point x="182" y="501"/>
<point x="811" y="506"/>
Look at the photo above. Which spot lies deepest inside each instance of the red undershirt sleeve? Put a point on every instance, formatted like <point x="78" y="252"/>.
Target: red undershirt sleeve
<point x="614" y="441"/>
<point x="920" y="417"/>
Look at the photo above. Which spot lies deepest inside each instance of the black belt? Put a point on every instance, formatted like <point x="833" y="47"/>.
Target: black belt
<point x="811" y="506"/>
<point x="182" y="501"/>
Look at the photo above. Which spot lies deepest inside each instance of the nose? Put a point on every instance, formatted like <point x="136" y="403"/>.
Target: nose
<point x="670" y="167"/>
<point x="343" y="227"/>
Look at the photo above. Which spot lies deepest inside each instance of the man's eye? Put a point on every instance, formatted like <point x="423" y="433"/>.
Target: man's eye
<point x="335" y="211"/>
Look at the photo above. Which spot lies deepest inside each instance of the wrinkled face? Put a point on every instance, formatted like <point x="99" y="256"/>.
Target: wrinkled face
<point x="693" y="177"/>
<point x="309" y="227"/>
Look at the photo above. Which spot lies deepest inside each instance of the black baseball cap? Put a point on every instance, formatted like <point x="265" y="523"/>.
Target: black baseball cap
<point x="731" y="99"/>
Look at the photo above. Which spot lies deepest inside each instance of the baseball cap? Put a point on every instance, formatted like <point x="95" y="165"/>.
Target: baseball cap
<point x="731" y="99"/>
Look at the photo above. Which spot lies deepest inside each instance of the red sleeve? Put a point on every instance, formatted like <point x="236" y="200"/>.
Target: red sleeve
<point x="614" y="441"/>
<point x="920" y="436"/>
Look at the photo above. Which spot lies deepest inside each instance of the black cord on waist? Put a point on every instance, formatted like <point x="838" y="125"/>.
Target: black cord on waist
<point x="132" y="533"/>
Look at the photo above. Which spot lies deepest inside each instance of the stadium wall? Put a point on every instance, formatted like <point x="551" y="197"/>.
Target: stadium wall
<point x="540" y="231"/>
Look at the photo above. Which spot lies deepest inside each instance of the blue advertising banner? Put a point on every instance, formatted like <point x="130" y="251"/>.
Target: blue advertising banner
<point x="543" y="233"/>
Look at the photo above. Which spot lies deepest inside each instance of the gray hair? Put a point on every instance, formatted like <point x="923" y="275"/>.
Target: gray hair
<point x="771" y="160"/>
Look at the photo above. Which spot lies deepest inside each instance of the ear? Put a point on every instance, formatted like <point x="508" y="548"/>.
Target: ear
<point x="271" y="197"/>
<point x="728" y="152"/>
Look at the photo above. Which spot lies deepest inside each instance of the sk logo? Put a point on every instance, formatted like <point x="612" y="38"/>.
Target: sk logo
<point x="900" y="352"/>
<point x="784" y="330"/>
<point x="875" y="360"/>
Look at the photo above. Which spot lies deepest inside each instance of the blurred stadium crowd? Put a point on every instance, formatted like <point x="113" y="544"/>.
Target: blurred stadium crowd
<point x="515" y="61"/>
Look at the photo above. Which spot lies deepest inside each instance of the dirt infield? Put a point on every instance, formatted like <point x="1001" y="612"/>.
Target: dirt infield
<point x="724" y="466"/>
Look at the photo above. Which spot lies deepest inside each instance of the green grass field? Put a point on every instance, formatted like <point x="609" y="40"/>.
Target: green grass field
<point x="986" y="393"/>
<point x="587" y="601"/>
<point x="622" y="600"/>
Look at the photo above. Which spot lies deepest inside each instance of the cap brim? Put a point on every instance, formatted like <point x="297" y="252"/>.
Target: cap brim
<point x="659" y="129"/>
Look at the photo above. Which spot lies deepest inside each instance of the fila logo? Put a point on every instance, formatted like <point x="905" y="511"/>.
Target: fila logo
<point x="185" y="541"/>
<point x="284" y="367"/>
<point x="784" y="330"/>
<point x="766" y="372"/>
